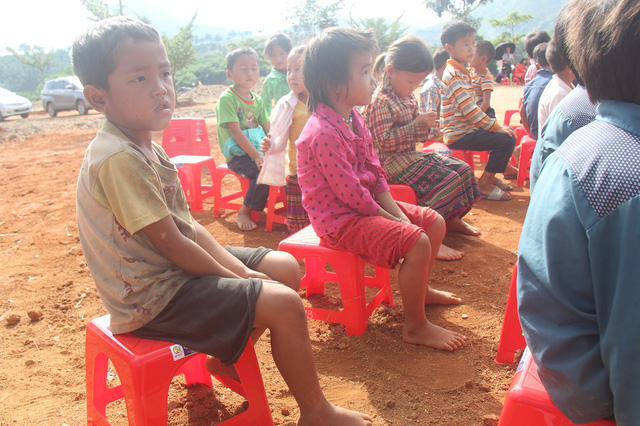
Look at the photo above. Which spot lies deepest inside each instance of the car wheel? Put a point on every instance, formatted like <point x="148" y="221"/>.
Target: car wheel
<point x="82" y="108"/>
<point x="51" y="110"/>
<point x="24" y="115"/>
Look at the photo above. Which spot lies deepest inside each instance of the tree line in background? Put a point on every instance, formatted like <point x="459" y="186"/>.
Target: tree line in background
<point x="202" y="60"/>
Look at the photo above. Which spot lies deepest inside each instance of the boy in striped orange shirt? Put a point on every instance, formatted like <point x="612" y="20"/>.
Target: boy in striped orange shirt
<point x="464" y="125"/>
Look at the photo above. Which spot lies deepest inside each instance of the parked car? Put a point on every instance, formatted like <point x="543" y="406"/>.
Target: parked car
<point x="64" y="94"/>
<point x="12" y="104"/>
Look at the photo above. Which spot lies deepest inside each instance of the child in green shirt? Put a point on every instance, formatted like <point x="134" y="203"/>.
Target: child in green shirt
<point x="275" y="85"/>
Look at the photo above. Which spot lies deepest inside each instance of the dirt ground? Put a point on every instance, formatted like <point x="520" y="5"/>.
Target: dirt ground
<point x="42" y="269"/>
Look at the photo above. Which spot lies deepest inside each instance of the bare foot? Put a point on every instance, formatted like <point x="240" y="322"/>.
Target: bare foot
<point x="441" y="297"/>
<point x="459" y="225"/>
<point x="217" y="368"/>
<point x="329" y="414"/>
<point x="433" y="336"/>
<point x="245" y="223"/>
<point x="447" y="253"/>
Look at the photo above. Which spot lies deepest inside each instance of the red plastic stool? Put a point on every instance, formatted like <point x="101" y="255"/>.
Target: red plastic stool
<point x="511" y="338"/>
<point x="226" y="202"/>
<point x="186" y="136"/>
<point x="505" y="81"/>
<point x="527" y="146"/>
<point x="349" y="274"/>
<point x="190" y="172"/>
<point x="145" y="369"/>
<point x="508" y="114"/>
<point x="528" y="403"/>
<point x="277" y="194"/>
<point x="460" y="154"/>
<point x="404" y="193"/>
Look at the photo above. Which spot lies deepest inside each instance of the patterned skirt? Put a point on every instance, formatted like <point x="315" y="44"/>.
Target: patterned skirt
<point x="444" y="183"/>
<point x="297" y="217"/>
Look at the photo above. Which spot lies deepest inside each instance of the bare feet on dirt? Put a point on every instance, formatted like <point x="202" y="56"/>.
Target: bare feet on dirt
<point x="447" y="253"/>
<point x="440" y="297"/>
<point x="459" y="225"/>
<point x="433" y="336"/>
<point x="245" y="223"/>
<point x="330" y="414"/>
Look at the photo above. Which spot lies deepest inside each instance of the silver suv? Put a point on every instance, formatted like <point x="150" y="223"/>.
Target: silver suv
<point x="64" y="94"/>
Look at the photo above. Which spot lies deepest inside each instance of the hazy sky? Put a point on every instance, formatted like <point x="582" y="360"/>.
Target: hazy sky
<point x="56" y="23"/>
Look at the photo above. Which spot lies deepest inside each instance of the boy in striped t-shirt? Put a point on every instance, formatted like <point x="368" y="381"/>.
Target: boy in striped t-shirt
<point x="464" y="125"/>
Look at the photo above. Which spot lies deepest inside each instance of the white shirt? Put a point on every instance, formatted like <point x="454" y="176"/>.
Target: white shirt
<point x="555" y="91"/>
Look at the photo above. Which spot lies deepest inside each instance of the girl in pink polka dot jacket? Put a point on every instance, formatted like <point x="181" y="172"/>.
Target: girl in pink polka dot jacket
<point x="344" y="190"/>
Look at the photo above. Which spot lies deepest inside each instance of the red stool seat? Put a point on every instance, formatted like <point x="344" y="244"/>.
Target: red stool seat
<point x="511" y="338"/>
<point x="508" y="114"/>
<point x="460" y="154"/>
<point x="186" y="136"/>
<point x="277" y="194"/>
<point x="145" y="369"/>
<point x="227" y="201"/>
<point x="528" y="403"/>
<point x="404" y="193"/>
<point x="349" y="274"/>
<point x="527" y="146"/>
<point x="190" y="169"/>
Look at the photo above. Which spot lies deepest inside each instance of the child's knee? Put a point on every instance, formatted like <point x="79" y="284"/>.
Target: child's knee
<point x="290" y="268"/>
<point x="420" y="250"/>
<point x="437" y="230"/>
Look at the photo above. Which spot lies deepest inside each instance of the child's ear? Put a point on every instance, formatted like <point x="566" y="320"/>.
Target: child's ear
<point x="96" y="97"/>
<point x="390" y="69"/>
<point x="229" y="75"/>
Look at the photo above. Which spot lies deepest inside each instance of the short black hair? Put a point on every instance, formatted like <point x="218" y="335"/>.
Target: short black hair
<point x="554" y="57"/>
<point x="485" y="48"/>
<point x="233" y="55"/>
<point x="534" y="38"/>
<point x="603" y="46"/>
<point x="408" y="53"/>
<point x="454" y="30"/>
<point x="540" y="55"/>
<point x="326" y="62"/>
<point x="93" y="54"/>
<point x="279" y="39"/>
<point x="440" y="57"/>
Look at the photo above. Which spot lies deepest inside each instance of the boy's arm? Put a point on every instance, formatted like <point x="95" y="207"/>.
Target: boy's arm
<point x="486" y="100"/>
<point x="183" y="252"/>
<point x="221" y="255"/>
<point x="244" y="143"/>
<point x="266" y="127"/>
<point x="523" y="117"/>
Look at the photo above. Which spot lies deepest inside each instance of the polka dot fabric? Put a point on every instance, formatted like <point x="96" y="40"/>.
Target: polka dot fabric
<point x="578" y="108"/>
<point x="605" y="160"/>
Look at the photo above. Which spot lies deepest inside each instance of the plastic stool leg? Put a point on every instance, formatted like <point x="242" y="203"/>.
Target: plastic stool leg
<point x="511" y="338"/>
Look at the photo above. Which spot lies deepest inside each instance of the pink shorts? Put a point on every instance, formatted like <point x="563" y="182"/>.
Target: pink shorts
<point x="381" y="241"/>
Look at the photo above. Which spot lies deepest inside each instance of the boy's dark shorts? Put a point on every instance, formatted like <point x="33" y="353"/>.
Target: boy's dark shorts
<point x="211" y="314"/>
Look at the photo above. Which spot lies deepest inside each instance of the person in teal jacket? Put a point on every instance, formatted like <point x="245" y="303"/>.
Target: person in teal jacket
<point x="578" y="272"/>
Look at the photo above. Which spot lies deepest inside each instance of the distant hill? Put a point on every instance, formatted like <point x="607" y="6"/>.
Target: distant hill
<point x="544" y="14"/>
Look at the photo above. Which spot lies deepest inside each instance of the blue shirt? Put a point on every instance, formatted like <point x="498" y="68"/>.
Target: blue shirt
<point x="578" y="269"/>
<point x="573" y="112"/>
<point x="531" y="97"/>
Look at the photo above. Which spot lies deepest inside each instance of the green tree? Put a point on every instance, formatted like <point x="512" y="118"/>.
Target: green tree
<point x="310" y="17"/>
<point x="385" y="33"/>
<point x="34" y="56"/>
<point x="510" y="22"/>
<point x="180" y="48"/>
<point x="459" y="9"/>
<point x="100" y="10"/>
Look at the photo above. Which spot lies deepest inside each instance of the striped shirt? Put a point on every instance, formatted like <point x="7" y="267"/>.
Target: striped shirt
<point x="430" y="100"/>
<point x="390" y="120"/>
<point x="460" y="114"/>
<point x="481" y="82"/>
